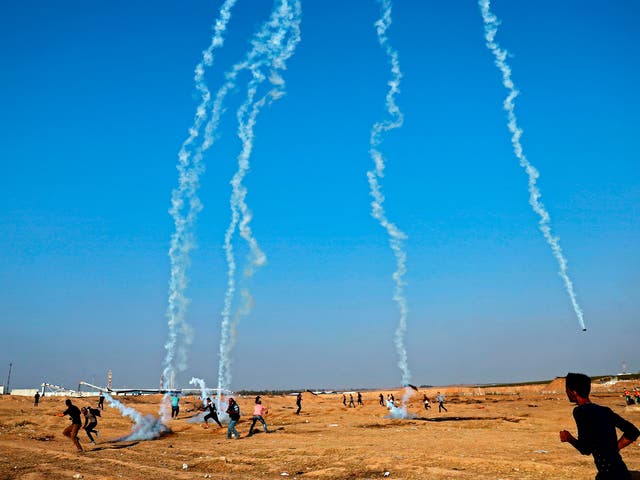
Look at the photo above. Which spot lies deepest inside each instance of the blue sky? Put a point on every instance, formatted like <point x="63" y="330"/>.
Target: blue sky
<point x="98" y="96"/>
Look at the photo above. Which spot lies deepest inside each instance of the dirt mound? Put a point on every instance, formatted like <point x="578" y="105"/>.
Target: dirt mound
<point x="554" y="386"/>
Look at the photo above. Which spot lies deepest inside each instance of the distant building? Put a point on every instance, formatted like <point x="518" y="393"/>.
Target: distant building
<point x="24" y="392"/>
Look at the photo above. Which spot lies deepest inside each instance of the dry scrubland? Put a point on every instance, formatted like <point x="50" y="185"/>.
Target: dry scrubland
<point x="488" y="433"/>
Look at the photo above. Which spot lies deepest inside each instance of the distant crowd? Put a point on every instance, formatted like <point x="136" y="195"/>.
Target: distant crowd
<point x="596" y="425"/>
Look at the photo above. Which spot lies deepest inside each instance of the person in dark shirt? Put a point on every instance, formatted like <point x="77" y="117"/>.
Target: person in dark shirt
<point x="351" y="404"/>
<point x="299" y="403"/>
<point x="90" y="423"/>
<point x="72" y="430"/>
<point x="360" y="399"/>
<point x="597" y="434"/>
<point x="101" y="401"/>
<point x="234" y="415"/>
<point x="213" y="413"/>
<point x="36" y="399"/>
<point x="381" y="400"/>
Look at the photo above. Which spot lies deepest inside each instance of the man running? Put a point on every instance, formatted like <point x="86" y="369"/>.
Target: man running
<point x="213" y="413"/>
<point x="90" y="423"/>
<point x="440" y="399"/>
<point x="351" y="404"/>
<point x="258" y="411"/>
<point x="72" y="430"/>
<point x="597" y="430"/>
<point x="425" y="400"/>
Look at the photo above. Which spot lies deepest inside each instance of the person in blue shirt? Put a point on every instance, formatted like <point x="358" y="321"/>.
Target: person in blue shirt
<point x="175" y="405"/>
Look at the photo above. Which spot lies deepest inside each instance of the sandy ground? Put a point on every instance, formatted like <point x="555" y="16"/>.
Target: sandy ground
<point x="488" y="433"/>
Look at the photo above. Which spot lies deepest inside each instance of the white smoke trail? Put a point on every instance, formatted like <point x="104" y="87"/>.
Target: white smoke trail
<point x="184" y="197"/>
<point x="145" y="427"/>
<point x="396" y="236"/>
<point x="491" y="23"/>
<point x="203" y="389"/>
<point x="276" y="49"/>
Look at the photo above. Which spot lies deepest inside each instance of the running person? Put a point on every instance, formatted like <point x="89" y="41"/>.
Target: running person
<point x="72" y="430"/>
<point x="213" y="413"/>
<point x="351" y="404"/>
<point x="90" y="423"/>
<point x="440" y="399"/>
<point x="597" y="430"/>
<point x="101" y="401"/>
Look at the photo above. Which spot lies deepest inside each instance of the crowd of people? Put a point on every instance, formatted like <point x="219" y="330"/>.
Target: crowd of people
<point x="632" y="397"/>
<point x="597" y="425"/>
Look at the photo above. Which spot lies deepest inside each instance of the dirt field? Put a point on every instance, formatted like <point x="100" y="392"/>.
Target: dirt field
<point x="488" y="433"/>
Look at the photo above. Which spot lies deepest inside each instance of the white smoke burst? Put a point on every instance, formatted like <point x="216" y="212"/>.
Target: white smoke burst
<point x="185" y="206"/>
<point x="396" y="236"/>
<point x="491" y="23"/>
<point x="145" y="427"/>
<point x="274" y="45"/>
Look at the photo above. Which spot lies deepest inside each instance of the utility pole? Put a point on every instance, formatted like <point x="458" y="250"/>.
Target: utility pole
<point x="8" y="378"/>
